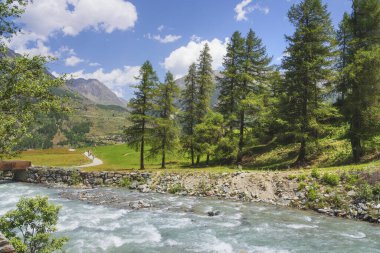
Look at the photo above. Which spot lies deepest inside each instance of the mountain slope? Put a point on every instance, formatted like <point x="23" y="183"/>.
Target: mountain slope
<point x="95" y="91"/>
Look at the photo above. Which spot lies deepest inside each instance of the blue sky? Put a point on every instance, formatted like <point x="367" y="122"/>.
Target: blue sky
<point x="109" y="39"/>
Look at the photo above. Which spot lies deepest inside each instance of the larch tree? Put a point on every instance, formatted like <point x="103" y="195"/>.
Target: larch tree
<point x="362" y="72"/>
<point x="189" y="108"/>
<point x="205" y="86"/>
<point x="307" y="70"/>
<point x="255" y="72"/>
<point x="229" y="81"/>
<point x="141" y="117"/>
<point x="165" y="128"/>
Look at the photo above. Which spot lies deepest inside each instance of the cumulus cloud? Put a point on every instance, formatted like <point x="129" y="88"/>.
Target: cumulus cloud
<point x="118" y="80"/>
<point x="45" y="18"/>
<point x="73" y="61"/>
<point x="180" y="59"/>
<point x="160" y="28"/>
<point x="243" y="8"/>
<point x="167" y="39"/>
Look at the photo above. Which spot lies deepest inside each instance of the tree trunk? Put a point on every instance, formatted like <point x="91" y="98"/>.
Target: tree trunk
<point x="198" y="159"/>
<point x="142" y="166"/>
<point x="357" y="149"/>
<point x="301" y="160"/>
<point x="208" y="159"/>
<point x="163" y="163"/>
<point x="192" y="155"/>
<point x="241" y="137"/>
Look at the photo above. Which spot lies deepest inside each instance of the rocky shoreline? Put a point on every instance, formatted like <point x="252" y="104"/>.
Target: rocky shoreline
<point x="268" y="187"/>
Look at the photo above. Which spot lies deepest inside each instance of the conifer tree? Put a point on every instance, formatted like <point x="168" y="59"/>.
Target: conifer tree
<point x="189" y="109"/>
<point x="141" y="110"/>
<point x="228" y="83"/>
<point x="308" y="69"/>
<point x="362" y="72"/>
<point x="205" y="82"/>
<point x="165" y="127"/>
<point x="255" y="68"/>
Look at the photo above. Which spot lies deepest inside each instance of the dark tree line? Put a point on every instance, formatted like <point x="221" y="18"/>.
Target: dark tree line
<point x="326" y="78"/>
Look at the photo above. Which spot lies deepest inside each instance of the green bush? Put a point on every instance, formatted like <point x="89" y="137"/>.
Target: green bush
<point x="376" y="191"/>
<point x="125" y="182"/>
<point x="292" y="176"/>
<point x="301" y="186"/>
<point x="176" y="188"/>
<point x="331" y="179"/>
<point x="365" y="192"/>
<point x="301" y="177"/>
<point x="312" y="194"/>
<point x="36" y="218"/>
<point x="315" y="174"/>
<point x="75" y="177"/>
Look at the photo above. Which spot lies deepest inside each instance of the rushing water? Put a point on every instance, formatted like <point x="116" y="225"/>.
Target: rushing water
<point x="181" y="224"/>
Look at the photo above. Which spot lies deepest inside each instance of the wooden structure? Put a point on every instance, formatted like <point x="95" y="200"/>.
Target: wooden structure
<point x="14" y="165"/>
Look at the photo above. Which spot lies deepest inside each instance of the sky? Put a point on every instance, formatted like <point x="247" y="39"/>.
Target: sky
<point x="109" y="39"/>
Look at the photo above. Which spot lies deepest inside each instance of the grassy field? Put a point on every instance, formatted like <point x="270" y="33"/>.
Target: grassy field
<point x="54" y="157"/>
<point x="334" y="156"/>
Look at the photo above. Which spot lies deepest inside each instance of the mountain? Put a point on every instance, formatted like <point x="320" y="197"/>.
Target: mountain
<point x="95" y="91"/>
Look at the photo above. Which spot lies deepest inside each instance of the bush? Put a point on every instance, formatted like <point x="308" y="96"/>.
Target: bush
<point x="301" y="186"/>
<point x="376" y="191"/>
<point x="37" y="220"/>
<point x="75" y="177"/>
<point x="176" y="188"/>
<point x="331" y="179"/>
<point x="291" y="177"/>
<point x="125" y="182"/>
<point x="301" y="177"/>
<point x="365" y="192"/>
<point x="312" y="194"/>
<point x="315" y="174"/>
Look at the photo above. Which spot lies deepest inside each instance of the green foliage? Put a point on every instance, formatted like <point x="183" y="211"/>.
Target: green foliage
<point x="208" y="133"/>
<point x="307" y="72"/>
<point x="315" y="174"/>
<point x="76" y="134"/>
<point x="365" y="192"/>
<point x="330" y="179"/>
<point x="141" y="110"/>
<point x="31" y="225"/>
<point x="176" y="188"/>
<point x="301" y="177"/>
<point x="376" y="192"/>
<point x="312" y="194"/>
<point x="125" y="182"/>
<point x="301" y="186"/>
<point x="166" y="131"/>
<point x="75" y="177"/>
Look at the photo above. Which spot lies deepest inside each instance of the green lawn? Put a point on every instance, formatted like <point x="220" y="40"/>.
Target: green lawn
<point x="54" y="157"/>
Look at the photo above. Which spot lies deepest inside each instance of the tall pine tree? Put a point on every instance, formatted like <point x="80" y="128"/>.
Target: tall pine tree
<point x="362" y="71"/>
<point x="141" y="110"/>
<point x="189" y="111"/>
<point x="165" y="127"/>
<point x="255" y="72"/>
<point x="229" y="81"/>
<point x="308" y="69"/>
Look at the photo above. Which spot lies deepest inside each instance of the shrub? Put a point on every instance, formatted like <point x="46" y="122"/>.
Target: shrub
<point x="312" y="194"/>
<point x="37" y="220"/>
<point x="75" y="177"/>
<point x="315" y="174"/>
<point x="331" y="179"/>
<point x="301" y="186"/>
<point x="125" y="182"/>
<point x="176" y="188"/>
<point x="365" y="192"/>
<point x="301" y="177"/>
<point x="292" y="176"/>
<point x="376" y="191"/>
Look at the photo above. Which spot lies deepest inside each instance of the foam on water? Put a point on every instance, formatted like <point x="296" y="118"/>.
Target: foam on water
<point x="171" y="226"/>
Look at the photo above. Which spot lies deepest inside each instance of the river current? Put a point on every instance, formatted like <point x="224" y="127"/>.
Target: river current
<point x="181" y="224"/>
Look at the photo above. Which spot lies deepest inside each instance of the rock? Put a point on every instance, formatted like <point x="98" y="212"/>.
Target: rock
<point x="139" y="204"/>
<point x="143" y="188"/>
<point x="351" y="193"/>
<point x="134" y="185"/>
<point x="324" y="210"/>
<point x="213" y="213"/>
<point x="363" y="206"/>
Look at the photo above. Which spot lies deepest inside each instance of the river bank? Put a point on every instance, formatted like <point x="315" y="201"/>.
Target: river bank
<point x="340" y="198"/>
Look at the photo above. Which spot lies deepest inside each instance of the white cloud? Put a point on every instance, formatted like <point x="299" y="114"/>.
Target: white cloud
<point x="180" y="59"/>
<point x="243" y="8"/>
<point x="94" y="64"/>
<point x="46" y="17"/>
<point x="167" y="39"/>
<point x="73" y="61"/>
<point x="160" y="28"/>
<point x="118" y="80"/>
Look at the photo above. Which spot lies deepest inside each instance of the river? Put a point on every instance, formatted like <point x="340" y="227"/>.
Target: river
<point x="181" y="224"/>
